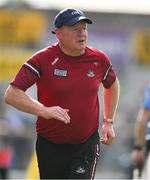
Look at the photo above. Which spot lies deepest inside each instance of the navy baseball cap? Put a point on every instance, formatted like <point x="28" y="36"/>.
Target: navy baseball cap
<point x="69" y="17"/>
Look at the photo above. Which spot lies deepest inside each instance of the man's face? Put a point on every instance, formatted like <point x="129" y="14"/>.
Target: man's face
<point x="73" y="38"/>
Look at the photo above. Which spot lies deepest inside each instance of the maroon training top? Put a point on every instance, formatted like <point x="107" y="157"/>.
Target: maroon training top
<point x="69" y="82"/>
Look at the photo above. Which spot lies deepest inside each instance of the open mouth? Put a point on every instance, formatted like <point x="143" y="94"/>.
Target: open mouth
<point x="81" y="41"/>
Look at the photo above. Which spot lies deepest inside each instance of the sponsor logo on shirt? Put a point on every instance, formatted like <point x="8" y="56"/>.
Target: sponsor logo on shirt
<point x="90" y="73"/>
<point x="60" y="72"/>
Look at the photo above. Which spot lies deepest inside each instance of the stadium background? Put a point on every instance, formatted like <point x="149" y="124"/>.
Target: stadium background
<point x="124" y="36"/>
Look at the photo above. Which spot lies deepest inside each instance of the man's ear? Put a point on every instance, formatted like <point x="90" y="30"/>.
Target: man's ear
<point x="58" y="33"/>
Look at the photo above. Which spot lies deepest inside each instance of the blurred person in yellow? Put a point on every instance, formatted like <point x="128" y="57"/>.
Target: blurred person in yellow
<point x="68" y="75"/>
<point x="32" y="169"/>
<point x="142" y="133"/>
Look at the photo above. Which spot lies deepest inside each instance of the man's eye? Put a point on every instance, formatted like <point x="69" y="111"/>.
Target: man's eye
<point x="74" y="29"/>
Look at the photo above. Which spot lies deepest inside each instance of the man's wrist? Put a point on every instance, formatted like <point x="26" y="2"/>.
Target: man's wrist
<point x="108" y="120"/>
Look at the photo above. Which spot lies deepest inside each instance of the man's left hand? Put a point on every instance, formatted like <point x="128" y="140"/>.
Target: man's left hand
<point x="107" y="134"/>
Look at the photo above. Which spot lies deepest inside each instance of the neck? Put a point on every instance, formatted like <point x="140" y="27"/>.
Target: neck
<point x="70" y="52"/>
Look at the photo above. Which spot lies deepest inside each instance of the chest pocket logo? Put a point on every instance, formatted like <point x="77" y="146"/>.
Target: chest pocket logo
<point x="60" y="72"/>
<point x="90" y="73"/>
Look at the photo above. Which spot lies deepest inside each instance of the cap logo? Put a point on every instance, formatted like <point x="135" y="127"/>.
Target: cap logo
<point x="75" y="12"/>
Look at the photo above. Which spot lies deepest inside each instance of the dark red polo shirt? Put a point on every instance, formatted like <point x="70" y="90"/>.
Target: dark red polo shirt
<point x="69" y="82"/>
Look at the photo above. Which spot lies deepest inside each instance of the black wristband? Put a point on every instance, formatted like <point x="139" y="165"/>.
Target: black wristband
<point x="137" y="147"/>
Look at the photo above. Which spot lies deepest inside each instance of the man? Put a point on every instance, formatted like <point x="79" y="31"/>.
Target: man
<point x="68" y="75"/>
<point x="142" y="132"/>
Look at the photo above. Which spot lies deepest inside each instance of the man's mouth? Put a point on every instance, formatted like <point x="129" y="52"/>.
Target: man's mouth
<point x="81" y="41"/>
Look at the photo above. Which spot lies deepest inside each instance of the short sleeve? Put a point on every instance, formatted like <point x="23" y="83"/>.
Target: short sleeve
<point x="109" y="75"/>
<point x="28" y="74"/>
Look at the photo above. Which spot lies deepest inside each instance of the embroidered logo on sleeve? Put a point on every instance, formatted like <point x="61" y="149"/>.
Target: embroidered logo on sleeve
<point x="60" y="72"/>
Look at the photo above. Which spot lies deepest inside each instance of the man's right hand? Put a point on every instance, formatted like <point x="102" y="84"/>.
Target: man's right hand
<point x="56" y="112"/>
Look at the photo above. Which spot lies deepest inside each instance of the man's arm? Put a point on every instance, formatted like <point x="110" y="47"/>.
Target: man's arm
<point x="139" y="136"/>
<point x="140" y="127"/>
<point x="110" y="103"/>
<point x="110" y="100"/>
<point x="21" y="101"/>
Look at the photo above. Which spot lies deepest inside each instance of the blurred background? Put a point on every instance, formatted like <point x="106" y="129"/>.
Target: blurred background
<point x="120" y="27"/>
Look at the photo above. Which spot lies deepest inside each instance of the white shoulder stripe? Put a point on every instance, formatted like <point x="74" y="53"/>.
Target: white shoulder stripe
<point x="31" y="67"/>
<point x="107" y="71"/>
